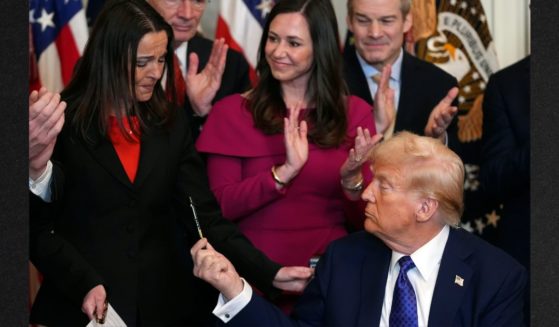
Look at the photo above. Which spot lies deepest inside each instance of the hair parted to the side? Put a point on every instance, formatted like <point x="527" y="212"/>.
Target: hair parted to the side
<point x="428" y="167"/>
<point x="405" y="7"/>
<point x="326" y="87"/>
<point x="104" y="80"/>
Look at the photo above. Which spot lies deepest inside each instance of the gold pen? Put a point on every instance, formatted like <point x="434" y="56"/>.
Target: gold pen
<point x="195" y="218"/>
<point x="101" y="321"/>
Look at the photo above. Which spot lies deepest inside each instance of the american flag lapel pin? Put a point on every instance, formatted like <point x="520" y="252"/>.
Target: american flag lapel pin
<point x="459" y="280"/>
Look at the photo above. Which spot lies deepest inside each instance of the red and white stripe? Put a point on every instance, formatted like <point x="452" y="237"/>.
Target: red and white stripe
<point x="56" y="63"/>
<point x="240" y="29"/>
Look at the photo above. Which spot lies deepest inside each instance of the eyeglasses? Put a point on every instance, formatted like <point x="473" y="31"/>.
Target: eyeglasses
<point x="196" y="4"/>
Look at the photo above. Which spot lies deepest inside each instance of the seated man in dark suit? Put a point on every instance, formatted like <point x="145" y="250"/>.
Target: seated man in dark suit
<point x="424" y="95"/>
<point x="210" y="70"/>
<point x="448" y="276"/>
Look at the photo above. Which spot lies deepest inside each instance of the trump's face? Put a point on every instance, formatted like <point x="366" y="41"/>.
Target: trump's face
<point x="391" y="207"/>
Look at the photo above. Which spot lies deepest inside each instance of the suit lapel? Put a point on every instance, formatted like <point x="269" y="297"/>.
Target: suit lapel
<point x="373" y="279"/>
<point x="195" y="45"/>
<point x="355" y="78"/>
<point x="404" y="116"/>
<point x="102" y="151"/>
<point x="153" y="149"/>
<point x="448" y="293"/>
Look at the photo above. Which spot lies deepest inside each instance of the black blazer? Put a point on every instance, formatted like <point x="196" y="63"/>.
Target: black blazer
<point x="423" y="86"/>
<point x="235" y="77"/>
<point x="103" y="229"/>
<point x="505" y="155"/>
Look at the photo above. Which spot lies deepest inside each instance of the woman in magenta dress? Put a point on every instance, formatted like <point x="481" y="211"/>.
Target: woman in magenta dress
<point x="281" y="156"/>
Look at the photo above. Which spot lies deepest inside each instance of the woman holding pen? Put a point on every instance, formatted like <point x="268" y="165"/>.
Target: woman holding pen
<point x="105" y="206"/>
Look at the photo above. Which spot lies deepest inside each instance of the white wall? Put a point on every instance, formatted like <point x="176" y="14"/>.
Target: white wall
<point x="509" y="23"/>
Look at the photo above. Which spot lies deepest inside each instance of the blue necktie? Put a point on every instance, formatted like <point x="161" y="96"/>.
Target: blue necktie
<point x="404" y="306"/>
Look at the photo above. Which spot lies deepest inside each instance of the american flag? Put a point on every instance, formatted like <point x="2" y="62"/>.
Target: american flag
<point x="59" y="32"/>
<point x="240" y="22"/>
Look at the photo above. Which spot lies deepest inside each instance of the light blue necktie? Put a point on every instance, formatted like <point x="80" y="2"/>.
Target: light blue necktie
<point x="404" y="305"/>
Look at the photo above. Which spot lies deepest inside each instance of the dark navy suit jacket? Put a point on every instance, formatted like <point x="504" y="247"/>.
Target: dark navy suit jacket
<point x="423" y="86"/>
<point x="348" y="289"/>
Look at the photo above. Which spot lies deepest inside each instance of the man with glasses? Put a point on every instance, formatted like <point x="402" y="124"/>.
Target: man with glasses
<point x="211" y="72"/>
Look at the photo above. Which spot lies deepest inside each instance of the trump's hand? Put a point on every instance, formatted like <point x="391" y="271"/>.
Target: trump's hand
<point x="216" y="269"/>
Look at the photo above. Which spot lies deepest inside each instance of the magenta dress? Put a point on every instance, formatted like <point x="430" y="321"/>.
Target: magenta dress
<point x="297" y="222"/>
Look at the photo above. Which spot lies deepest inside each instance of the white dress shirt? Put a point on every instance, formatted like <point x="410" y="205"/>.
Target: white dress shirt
<point x="226" y="310"/>
<point x="180" y="52"/>
<point x="41" y="186"/>
<point x="423" y="277"/>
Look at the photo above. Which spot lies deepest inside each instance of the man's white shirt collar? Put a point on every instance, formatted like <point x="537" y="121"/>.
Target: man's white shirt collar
<point x="181" y="55"/>
<point x="180" y="52"/>
<point x="427" y="257"/>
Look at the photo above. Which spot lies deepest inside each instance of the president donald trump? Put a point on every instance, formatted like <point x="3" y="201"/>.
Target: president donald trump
<point x="412" y="266"/>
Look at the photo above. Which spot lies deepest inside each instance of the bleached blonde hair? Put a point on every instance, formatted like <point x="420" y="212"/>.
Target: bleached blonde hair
<point x="429" y="169"/>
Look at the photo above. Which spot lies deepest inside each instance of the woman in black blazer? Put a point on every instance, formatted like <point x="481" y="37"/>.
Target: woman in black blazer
<point x="124" y="167"/>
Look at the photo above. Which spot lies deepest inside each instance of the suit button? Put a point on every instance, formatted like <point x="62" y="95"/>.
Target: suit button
<point x="132" y="254"/>
<point x="130" y="228"/>
<point x="132" y="203"/>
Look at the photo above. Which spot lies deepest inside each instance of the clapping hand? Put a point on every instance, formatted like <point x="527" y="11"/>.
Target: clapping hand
<point x="46" y="118"/>
<point x="202" y="87"/>
<point x="384" y="108"/>
<point x="296" y="146"/>
<point x="350" y="172"/>
<point x="359" y="154"/>
<point x="442" y="115"/>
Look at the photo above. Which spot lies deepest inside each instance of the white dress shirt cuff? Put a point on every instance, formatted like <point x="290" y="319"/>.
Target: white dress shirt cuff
<point x="227" y="310"/>
<point x="445" y="139"/>
<point x="41" y="186"/>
